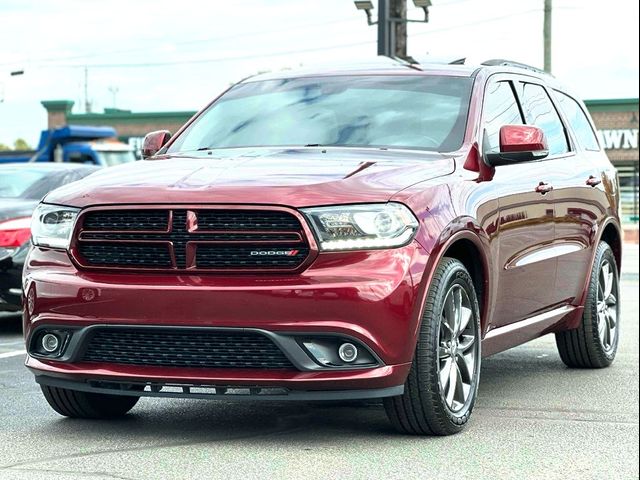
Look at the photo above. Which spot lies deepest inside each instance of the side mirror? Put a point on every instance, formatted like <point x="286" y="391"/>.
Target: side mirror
<point x="153" y="142"/>
<point x="518" y="144"/>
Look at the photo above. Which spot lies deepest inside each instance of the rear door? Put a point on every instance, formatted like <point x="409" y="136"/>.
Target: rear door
<point x="580" y="199"/>
<point x="526" y="215"/>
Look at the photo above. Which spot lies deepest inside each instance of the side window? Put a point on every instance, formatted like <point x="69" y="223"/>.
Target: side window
<point x="539" y="111"/>
<point x="579" y="122"/>
<point x="500" y="108"/>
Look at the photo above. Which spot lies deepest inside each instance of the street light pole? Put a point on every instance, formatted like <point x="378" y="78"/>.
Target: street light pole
<point x="392" y="23"/>
<point x="384" y="29"/>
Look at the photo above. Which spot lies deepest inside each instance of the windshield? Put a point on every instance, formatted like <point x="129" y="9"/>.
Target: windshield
<point x="15" y="182"/>
<point x="115" y="157"/>
<point x="419" y="112"/>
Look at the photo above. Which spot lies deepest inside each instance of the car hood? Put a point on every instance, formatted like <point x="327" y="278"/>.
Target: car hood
<point x="16" y="208"/>
<point x="295" y="177"/>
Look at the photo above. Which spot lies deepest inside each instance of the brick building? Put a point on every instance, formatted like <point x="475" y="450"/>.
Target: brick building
<point x="616" y="121"/>
<point x="617" y="124"/>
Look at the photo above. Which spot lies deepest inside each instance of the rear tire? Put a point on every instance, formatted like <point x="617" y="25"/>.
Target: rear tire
<point x="595" y="342"/>
<point x="436" y="402"/>
<point x="76" y="404"/>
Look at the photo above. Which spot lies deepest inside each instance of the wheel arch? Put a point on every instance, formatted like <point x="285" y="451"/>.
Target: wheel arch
<point x="465" y="241"/>
<point x="612" y="234"/>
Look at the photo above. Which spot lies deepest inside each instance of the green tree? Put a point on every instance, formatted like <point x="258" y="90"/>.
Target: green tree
<point x="21" y="144"/>
<point x="3" y="147"/>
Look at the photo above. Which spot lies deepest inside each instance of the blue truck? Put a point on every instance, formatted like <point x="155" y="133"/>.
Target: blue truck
<point x="75" y="144"/>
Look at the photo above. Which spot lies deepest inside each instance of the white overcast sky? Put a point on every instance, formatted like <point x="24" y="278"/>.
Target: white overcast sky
<point x="206" y="45"/>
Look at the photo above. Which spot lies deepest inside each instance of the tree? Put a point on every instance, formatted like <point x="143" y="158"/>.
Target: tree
<point x="21" y="144"/>
<point x="3" y="147"/>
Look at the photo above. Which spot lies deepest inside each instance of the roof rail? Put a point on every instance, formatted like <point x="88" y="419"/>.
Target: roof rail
<point x="499" y="62"/>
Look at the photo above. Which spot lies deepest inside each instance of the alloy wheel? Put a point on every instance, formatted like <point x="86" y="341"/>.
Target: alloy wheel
<point x="607" y="307"/>
<point x="457" y="349"/>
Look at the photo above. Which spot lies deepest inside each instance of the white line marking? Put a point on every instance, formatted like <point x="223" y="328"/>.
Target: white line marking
<point x="15" y="353"/>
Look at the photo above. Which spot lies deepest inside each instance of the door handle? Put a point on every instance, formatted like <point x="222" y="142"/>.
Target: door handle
<point x="593" y="181"/>
<point x="544" y="188"/>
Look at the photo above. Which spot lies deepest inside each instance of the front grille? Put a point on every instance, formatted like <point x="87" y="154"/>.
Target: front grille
<point x="199" y="239"/>
<point x="184" y="348"/>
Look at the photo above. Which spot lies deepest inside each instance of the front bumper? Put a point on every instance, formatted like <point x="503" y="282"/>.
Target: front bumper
<point x="374" y="297"/>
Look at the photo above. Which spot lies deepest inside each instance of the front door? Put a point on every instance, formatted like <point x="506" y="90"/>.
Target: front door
<point x="526" y="217"/>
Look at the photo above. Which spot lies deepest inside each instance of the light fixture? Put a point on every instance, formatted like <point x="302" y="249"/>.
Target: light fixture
<point x="424" y="5"/>
<point x="348" y="352"/>
<point x="367" y="6"/>
<point x="50" y="343"/>
<point x="363" y="5"/>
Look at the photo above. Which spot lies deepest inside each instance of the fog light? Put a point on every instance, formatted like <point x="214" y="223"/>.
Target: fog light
<point x="348" y="352"/>
<point x="50" y="343"/>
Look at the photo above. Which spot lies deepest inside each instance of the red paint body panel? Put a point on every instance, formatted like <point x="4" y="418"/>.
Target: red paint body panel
<point x="533" y="251"/>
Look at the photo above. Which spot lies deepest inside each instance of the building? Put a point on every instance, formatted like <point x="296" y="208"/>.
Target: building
<point x="617" y="124"/>
<point x="131" y="127"/>
<point x="616" y="121"/>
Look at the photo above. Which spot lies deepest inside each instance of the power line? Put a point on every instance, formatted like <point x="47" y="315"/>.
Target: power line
<point x="280" y="53"/>
<point x="183" y="42"/>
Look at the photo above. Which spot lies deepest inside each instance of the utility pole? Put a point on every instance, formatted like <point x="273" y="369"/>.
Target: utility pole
<point x="547" y="35"/>
<point x="398" y="10"/>
<point x="114" y="92"/>
<point x="87" y="103"/>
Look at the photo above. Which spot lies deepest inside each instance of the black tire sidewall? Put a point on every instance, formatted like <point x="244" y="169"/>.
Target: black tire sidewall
<point x="453" y="273"/>
<point x="590" y="320"/>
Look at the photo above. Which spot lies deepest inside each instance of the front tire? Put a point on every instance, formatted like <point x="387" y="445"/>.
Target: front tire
<point x="595" y="342"/>
<point x="442" y="385"/>
<point x="76" y="404"/>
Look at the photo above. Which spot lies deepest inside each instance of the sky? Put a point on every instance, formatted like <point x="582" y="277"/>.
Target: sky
<point x="156" y="55"/>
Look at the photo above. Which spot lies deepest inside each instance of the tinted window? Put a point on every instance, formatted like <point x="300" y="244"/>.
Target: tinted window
<point x="427" y="113"/>
<point x="579" y="122"/>
<point x="539" y="111"/>
<point x="500" y="108"/>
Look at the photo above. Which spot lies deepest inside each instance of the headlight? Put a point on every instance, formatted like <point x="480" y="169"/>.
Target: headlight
<point x="52" y="225"/>
<point x="361" y="227"/>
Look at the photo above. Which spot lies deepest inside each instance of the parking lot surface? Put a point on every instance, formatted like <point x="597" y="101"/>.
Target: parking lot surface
<point x="534" y="419"/>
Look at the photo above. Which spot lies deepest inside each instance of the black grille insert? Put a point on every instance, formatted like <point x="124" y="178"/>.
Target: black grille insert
<point x="184" y="348"/>
<point x="273" y="256"/>
<point x="127" y="220"/>
<point x="126" y="254"/>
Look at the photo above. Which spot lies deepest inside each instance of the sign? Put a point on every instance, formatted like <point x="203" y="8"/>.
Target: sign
<point x="619" y="139"/>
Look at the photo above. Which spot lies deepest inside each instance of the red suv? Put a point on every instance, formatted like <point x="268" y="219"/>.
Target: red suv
<point x="337" y="234"/>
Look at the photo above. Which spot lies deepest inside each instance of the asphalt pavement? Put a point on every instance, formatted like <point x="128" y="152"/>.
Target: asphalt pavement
<point x="535" y="418"/>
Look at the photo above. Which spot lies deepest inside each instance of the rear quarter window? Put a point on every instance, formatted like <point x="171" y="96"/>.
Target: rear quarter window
<point x="578" y="121"/>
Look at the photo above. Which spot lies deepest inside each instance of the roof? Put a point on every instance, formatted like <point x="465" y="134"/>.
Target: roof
<point x="373" y="66"/>
<point x="80" y="132"/>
